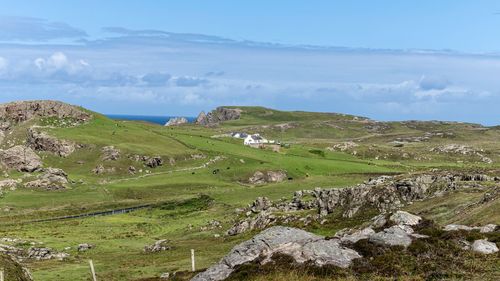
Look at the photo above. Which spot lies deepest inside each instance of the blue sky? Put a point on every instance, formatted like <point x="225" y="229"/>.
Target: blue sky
<point x="388" y="60"/>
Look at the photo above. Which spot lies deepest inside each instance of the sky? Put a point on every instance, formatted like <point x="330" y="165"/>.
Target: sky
<point x="387" y="60"/>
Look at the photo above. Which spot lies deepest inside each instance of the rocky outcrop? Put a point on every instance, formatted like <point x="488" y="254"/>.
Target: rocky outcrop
<point x="267" y="177"/>
<point x="154" y="162"/>
<point x="9" y="183"/>
<point x="158" y="246"/>
<point x="385" y="193"/>
<point x="45" y="254"/>
<point x="21" y="111"/>
<point x="51" y="179"/>
<point x="459" y="149"/>
<point x="176" y="121"/>
<point x="41" y="141"/>
<point x="110" y="153"/>
<point x="20" y="158"/>
<point x="301" y="245"/>
<point x="220" y="114"/>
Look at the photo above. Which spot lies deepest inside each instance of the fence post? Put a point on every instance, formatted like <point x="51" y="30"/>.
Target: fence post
<point x="193" y="265"/>
<point x="1" y="274"/>
<point x="94" y="278"/>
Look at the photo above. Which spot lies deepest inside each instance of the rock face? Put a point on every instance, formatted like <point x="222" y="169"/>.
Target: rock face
<point x="267" y="177"/>
<point x="483" y="246"/>
<point x="176" y="121"/>
<point x="41" y="141"/>
<point x="21" y="111"/>
<point x="20" y="158"/>
<point x="51" y="178"/>
<point x="220" y="114"/>
<point x="301" y="245"/>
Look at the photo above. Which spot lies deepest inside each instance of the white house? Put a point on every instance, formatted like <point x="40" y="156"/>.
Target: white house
<point x="254" y="140"/>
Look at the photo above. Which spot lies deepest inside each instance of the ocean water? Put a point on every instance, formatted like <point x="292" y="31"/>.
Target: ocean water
<point x="161" y="120"/>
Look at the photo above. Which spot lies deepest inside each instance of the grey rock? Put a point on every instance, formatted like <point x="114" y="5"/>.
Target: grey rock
<point x="20" y="158"/>
<point x="488" y="228"/>
<point x="483" y="246"/>
<point x="301" y="245"/>
<point x="158" y="246"/>
<point x="405" y="218"/>
<point x="454" y="227"/>
<point x="358" y="235"/>
<point x="393" y="236"/>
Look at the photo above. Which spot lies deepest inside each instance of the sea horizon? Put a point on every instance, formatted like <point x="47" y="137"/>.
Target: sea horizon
<point x="161" y="120"/>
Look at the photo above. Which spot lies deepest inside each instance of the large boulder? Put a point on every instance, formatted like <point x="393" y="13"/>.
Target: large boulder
<point x="301" y="245"/>
<point x="20" y="158"/>
<point x="21" y="111"/>
<point x="154" y="162"/>
<point x="483" y="246"/>
<point x="176" y="121"/>
<point x="41" y="141"/>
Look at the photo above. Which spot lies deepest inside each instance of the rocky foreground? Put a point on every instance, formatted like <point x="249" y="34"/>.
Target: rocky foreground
<point x="385" y="231"/>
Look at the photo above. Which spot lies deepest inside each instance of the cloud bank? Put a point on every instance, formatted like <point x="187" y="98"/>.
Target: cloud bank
<point x="164" y="73"/>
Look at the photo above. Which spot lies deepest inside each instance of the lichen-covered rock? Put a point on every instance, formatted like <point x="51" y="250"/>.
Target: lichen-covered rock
<point x="483" y="246"/>
<point x="20" y="158"/>
<point x="41" y="141"/>
<point x="21" y="111"/>
<point x="301" y="245"/>
<point x="176" y="121"/>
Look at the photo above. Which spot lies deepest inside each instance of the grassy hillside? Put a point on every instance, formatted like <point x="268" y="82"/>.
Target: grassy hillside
<point x="188" y="192"/>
